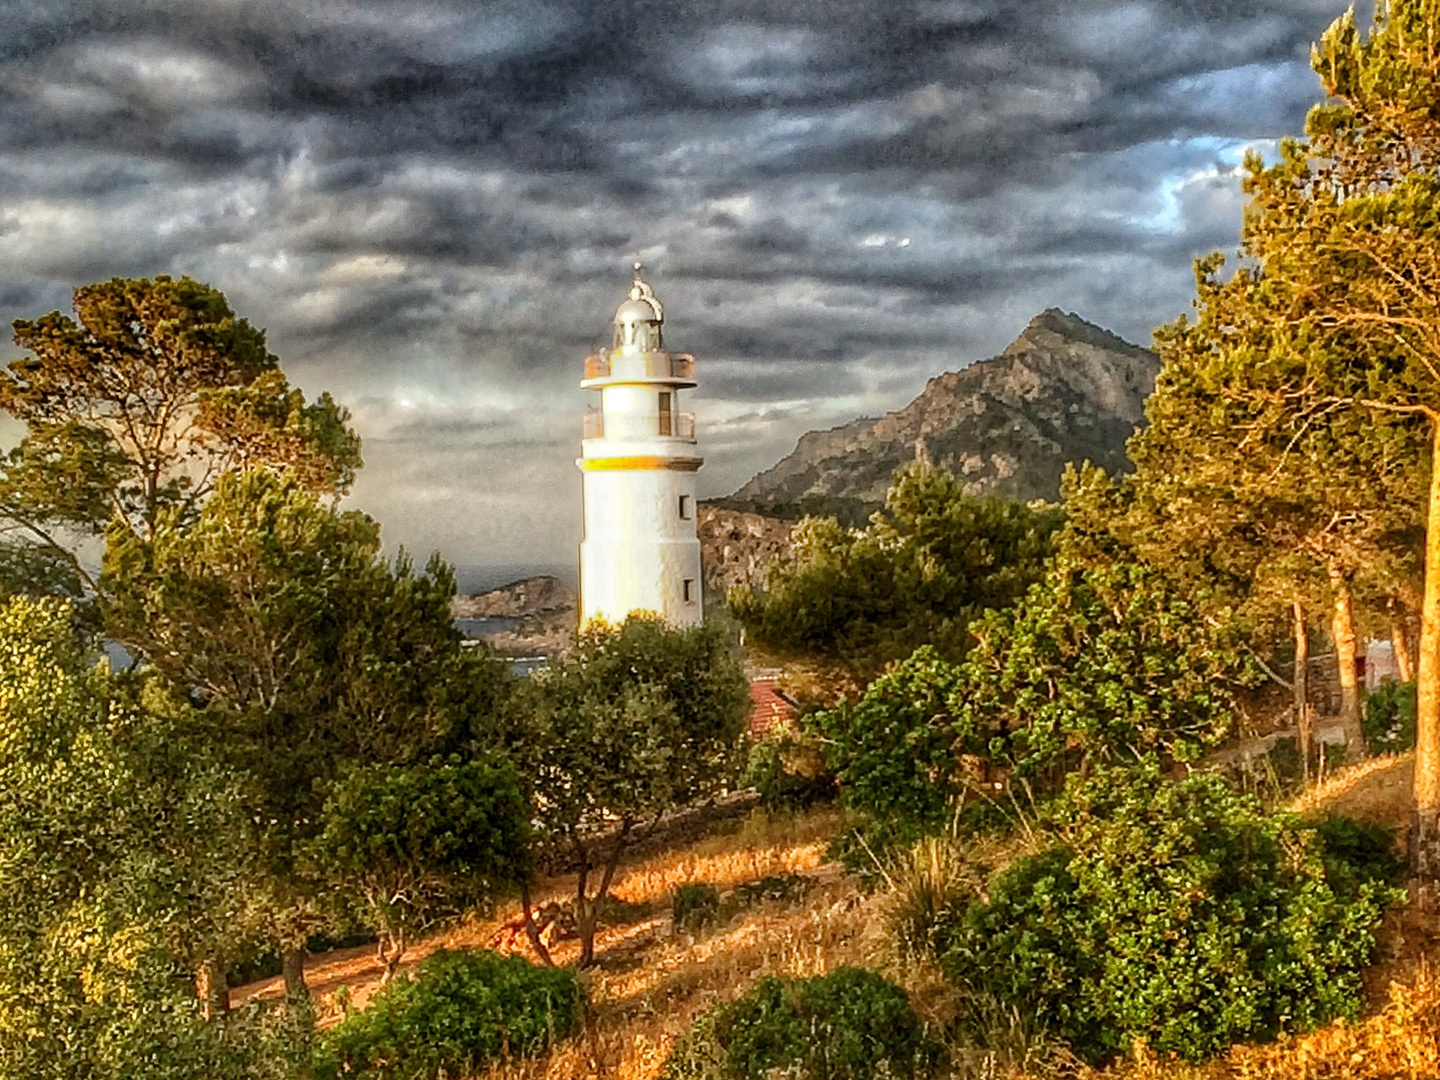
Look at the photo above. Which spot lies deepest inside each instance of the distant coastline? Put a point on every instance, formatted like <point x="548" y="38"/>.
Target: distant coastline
<point x="483" y="578"/>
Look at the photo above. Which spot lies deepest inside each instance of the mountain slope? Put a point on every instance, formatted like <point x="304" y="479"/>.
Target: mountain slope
<point x="1064" y="390"/>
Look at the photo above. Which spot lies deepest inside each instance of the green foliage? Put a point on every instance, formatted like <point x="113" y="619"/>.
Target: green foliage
<point x="309" y="655"/>
<point x="1178" y="913"/>
<point x="1390" y="712"/>
<point x="894" y="752"/>
<point x="638" y="720"/>
<point x="1102" y="663"/>
<point x="28" y="569"/>
<point x="1096" y="664"/>
<point x="142" y="401"/>
<point x="423" y="841"/>
<point x="456" y="1014"/>
<point x="848" y="1025"/>
<point x="788" y="771"/>
<point x="925" y="566"/>
<point x="695" y="905"/>
<point x="1358" y="852"/>
<point x="119" y="870"/>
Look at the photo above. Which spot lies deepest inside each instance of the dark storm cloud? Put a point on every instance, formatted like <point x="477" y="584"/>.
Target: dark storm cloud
<point x="430" y="204"/>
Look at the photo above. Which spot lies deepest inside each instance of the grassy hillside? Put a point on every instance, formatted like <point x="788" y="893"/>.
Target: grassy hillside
<point x="653" y="980"/>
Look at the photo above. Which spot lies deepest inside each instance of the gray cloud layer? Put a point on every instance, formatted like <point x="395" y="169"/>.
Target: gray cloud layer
<point x="432" y="206"/>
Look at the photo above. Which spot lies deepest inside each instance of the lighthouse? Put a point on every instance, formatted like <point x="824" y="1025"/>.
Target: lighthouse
<point x="638" y="462"/>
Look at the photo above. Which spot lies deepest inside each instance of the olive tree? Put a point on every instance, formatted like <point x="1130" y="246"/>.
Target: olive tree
<point x="638" y="720"/>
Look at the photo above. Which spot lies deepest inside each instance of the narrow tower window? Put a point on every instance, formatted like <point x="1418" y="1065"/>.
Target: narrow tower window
<point x="665" y="413"/>
<point x="684" y="507"/>
<point x="688" y="590"/>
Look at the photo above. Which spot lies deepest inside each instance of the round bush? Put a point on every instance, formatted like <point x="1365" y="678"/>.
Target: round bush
<point x="848" y="1025"/>
<point x="458" y="1012"/>
<point x="1177" y="913"/>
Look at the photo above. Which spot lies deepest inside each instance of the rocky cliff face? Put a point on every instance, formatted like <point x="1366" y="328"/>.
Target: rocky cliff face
<point x="735" y="546"/>
<point x="531" y="596"/>
<point x="1064" y="390"/>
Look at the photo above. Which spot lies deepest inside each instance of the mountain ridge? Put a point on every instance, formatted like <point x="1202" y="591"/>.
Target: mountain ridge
<point x="1064" y="390"/>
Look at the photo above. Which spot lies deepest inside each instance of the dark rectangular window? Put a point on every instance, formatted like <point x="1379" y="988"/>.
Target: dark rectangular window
<point x="665" y="413"/>
<point x="688" y="590"/>
<point x="685" y="507"/>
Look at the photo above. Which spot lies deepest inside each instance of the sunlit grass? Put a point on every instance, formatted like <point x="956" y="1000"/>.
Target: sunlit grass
<point x="652" y="982"/>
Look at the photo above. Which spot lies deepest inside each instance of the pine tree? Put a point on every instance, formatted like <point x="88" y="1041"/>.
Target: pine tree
<point x="1347" y="224"/>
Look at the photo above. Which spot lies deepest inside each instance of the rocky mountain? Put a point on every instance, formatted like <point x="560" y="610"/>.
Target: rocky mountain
<point x="530" y="596"/>
<point x="735" y="546"/>
<point x="1064" y="390"/>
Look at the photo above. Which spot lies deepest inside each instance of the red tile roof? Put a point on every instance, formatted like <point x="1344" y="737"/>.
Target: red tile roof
<point x="769" y="707"/>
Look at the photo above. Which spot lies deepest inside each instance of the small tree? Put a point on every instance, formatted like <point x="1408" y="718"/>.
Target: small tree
<point x="925" y="566"/>
<point x="640" y="719"/>
<point x="423" y="842"/>
<point x="1101" y="663"/>
<point x="897" y="752"/>
<point x="307" y="653"/>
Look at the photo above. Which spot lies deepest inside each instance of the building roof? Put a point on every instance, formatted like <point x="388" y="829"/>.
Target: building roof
<point x="770" y="707"/>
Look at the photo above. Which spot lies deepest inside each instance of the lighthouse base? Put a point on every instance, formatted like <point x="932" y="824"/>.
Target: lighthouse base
<point x="661" y="577"/>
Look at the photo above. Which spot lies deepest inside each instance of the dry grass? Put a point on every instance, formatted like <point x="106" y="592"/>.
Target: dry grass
<point x="763" y="846"/>
<point x="1377" y="789"/>
<point x="1400" y="1042"/>
<point x="652" y="982"/>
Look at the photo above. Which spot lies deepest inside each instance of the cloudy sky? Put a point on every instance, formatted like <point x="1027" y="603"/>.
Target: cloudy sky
<point x="432" y="207"/>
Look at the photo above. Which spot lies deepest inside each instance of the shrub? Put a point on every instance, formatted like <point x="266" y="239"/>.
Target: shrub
<point x="1100" y="663"/>
<point x="1357" y="852"/>
<point x="1093" y="664"/>
<point x="1176" y="913"/>
<point x="788" y="772"/>
<point x="893" y="751"/>
<point x="848" y="1025"/>
<point x="458" y="1012"/>
<point x="1390" y="717"/>
<point x="695" y="905"/>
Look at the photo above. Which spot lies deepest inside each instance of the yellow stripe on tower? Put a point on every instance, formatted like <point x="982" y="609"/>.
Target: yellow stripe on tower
<point x="603" y="464"/>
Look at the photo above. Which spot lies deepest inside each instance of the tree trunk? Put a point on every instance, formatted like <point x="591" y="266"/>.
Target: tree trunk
<point x="531" y="930"/>
<point x="1302" y="688"/>
<point x="292" y="970"/>
<point x="212" y="989"/>
<point x="1343" y="633"/>
<point x="1404" y="665"/>
<point x="398" y="942"/>
<point x="1425" y="833"/>
<point x="587" y="912"/>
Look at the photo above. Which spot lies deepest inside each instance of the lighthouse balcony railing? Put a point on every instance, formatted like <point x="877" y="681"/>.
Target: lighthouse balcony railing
<point x="674" y="425"/>
<point x="658" y="365"/>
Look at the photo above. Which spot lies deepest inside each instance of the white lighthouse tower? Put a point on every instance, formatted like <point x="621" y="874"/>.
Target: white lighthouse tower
<point x="640" y="552"/>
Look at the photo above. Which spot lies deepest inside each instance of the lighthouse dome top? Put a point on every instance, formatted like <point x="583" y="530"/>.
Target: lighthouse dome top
<point x="638" y="319"/>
